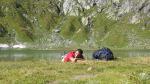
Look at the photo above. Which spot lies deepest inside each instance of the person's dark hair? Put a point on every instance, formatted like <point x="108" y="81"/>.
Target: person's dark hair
<point x="80" y="51"/>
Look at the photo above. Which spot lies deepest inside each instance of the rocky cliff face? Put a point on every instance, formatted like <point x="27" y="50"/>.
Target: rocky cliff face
<point x="114" y="9"/>
<point x="47" y="24"/>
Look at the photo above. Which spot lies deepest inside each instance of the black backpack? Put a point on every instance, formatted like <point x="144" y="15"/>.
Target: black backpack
<point x="103" y="54"/>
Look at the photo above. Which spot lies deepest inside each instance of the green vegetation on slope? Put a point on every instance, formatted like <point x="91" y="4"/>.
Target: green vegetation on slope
<point x="28" y="18"/>
<point x="31" y="20"/>
<point x="74" y="30"/>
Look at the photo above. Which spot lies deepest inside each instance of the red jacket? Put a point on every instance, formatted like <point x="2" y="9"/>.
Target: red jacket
<point x="68" y="56"/>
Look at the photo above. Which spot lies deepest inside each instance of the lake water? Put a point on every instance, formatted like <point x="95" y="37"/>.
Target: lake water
<point x="18" y="55"/>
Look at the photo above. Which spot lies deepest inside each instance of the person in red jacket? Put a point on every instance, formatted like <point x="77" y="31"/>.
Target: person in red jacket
<point x="73" y="56"/>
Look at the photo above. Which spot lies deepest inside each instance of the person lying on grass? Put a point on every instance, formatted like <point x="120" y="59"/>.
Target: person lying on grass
<point x="73" y="56"/>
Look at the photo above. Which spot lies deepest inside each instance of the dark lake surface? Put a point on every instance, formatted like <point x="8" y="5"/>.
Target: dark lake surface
<point x="18" y="55"/>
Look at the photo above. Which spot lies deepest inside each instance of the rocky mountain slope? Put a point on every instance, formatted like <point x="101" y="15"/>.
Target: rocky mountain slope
<point x="49" y="24"/>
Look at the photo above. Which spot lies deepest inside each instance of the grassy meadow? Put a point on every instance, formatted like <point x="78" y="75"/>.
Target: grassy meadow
<point x="131" y="70"/>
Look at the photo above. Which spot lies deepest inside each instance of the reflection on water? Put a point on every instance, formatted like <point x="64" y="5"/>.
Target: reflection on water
<point x="15" y="55"/>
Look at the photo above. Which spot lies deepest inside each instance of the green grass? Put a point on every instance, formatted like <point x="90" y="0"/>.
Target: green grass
<point x="134" y="70"/>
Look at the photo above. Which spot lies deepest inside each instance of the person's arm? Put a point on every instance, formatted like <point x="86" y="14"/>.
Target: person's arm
<point x="79" y="58"/>
<point x="73" y="59"/>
